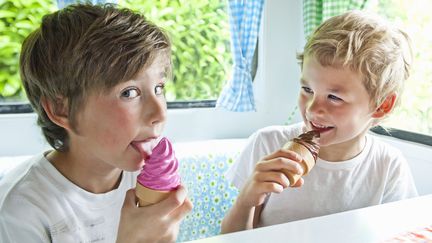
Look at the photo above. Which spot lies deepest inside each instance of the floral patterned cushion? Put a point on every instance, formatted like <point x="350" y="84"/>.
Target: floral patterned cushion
<point x="202" y="172"/>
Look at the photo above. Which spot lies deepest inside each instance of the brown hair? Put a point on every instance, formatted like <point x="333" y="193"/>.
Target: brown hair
<point x="81" y="49"/>
<point x="366" y="44"/>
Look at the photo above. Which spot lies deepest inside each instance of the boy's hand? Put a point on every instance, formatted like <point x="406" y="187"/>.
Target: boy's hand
<point x="268" y="177"/>
<point x="155" y="223"/>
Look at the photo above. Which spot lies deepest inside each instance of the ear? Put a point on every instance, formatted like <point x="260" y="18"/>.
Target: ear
<point x="58" y="112"/>
<point x="386" y="106"/>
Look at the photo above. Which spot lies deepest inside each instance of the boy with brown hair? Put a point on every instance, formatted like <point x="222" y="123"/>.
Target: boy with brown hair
<point x="353" y="69"/>
<point x="95" y="76"/>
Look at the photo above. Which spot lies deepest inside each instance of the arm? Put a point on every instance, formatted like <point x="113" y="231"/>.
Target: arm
<point x="238" y="218"/>
<point x="155" y="223"/>
<point x="257" y="215"/>
<point x="266" y="178"/>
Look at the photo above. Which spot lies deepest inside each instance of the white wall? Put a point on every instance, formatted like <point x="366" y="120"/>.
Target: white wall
<point x="20" y="135"/>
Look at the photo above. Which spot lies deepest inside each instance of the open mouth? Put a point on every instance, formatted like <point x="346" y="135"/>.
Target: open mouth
<point x="320" y="128"/>
<point x="143" y="152"/>
<point x="146" y="146"/>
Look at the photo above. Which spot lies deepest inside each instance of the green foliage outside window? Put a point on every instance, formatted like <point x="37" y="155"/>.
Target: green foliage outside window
<point x="17" y="19"/>
<point x="415" y="112"/>
<point x="198" y="30"/>
<point x="200" y="36"/>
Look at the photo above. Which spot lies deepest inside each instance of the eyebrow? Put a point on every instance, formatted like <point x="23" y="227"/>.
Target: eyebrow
<point x="336" y="90"/>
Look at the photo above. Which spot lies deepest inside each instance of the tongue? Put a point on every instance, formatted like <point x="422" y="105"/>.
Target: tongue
<point x="146" y="148"/>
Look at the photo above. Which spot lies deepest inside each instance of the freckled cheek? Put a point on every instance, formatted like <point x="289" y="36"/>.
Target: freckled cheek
<point x="109" y="140"/>
<point x="119" y="128"/>
<point x="124" y="119"/>
<point x="126" y="124"/>
<point x="123" y="115"/>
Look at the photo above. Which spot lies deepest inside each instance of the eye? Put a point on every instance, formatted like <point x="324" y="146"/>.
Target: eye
<point x="307" y="90"/>
<point x="159" y="89"/>
<point x="130" y="93"/>
<point x="335" y="98"/>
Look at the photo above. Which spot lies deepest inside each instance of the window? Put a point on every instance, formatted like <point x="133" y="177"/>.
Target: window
<point x="17" y="20"/>
<point x="198" y="30"/>
<point x="199" y="33"/>
<point x="415" y="112"/>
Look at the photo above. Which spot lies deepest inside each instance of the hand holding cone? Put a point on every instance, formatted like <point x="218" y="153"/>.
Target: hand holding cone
<point x="307" y="146"/>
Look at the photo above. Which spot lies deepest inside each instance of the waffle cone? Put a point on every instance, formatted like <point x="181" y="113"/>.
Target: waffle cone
<point x="307" y="163"/>
<point x="147" y="196"/>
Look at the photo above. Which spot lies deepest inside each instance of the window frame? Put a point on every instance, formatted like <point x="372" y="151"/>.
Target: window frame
<point x="25" y="107"/>
<point x="403" y="135"/>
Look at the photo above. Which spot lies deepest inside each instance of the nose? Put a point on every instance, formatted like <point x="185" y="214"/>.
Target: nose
<point x="314" y="107"/>
<point x="155" y="110"/>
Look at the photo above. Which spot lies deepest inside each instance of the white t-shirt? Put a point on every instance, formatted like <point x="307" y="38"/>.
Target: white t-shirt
<point x="38" y="204"/>
<point x="379" y="174"/>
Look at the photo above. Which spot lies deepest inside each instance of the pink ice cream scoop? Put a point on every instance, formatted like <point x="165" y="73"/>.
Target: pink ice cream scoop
<point x="160" y="171"/>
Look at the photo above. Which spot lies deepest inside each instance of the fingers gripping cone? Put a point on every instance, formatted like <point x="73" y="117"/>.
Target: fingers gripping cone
<point x="306" y="145"/>
<point x="147" y="196"/>
<point x="307" y="163"/>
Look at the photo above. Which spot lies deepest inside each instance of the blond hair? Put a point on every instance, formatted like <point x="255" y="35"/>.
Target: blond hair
<point x="367" y="44"/>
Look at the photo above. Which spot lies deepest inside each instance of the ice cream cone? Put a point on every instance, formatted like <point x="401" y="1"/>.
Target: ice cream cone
<point x="306" y="145"/>
<point x="147" y="196"/>
<point x="159" y="175"/>
<point x="307" y="163"/>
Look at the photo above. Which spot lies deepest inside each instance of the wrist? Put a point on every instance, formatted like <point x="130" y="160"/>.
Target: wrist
<point x="243" y="206"/>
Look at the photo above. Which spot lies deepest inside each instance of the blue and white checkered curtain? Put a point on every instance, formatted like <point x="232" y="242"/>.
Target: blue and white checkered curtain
<point x="245" y="18"/>
<point x="64" y="3"/>
<point x="317" y="11"/>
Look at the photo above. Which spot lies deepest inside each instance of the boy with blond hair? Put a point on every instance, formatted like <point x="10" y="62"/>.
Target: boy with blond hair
<point x="95" y="76"/>
<point x="353" y="69"/>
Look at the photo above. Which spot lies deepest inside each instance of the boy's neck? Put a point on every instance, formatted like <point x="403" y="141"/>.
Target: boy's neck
<point x="83" y="174"/>
<point x="344" y="151"/>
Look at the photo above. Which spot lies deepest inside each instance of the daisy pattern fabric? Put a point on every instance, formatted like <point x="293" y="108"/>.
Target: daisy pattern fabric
<point x="210" y="193"/>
